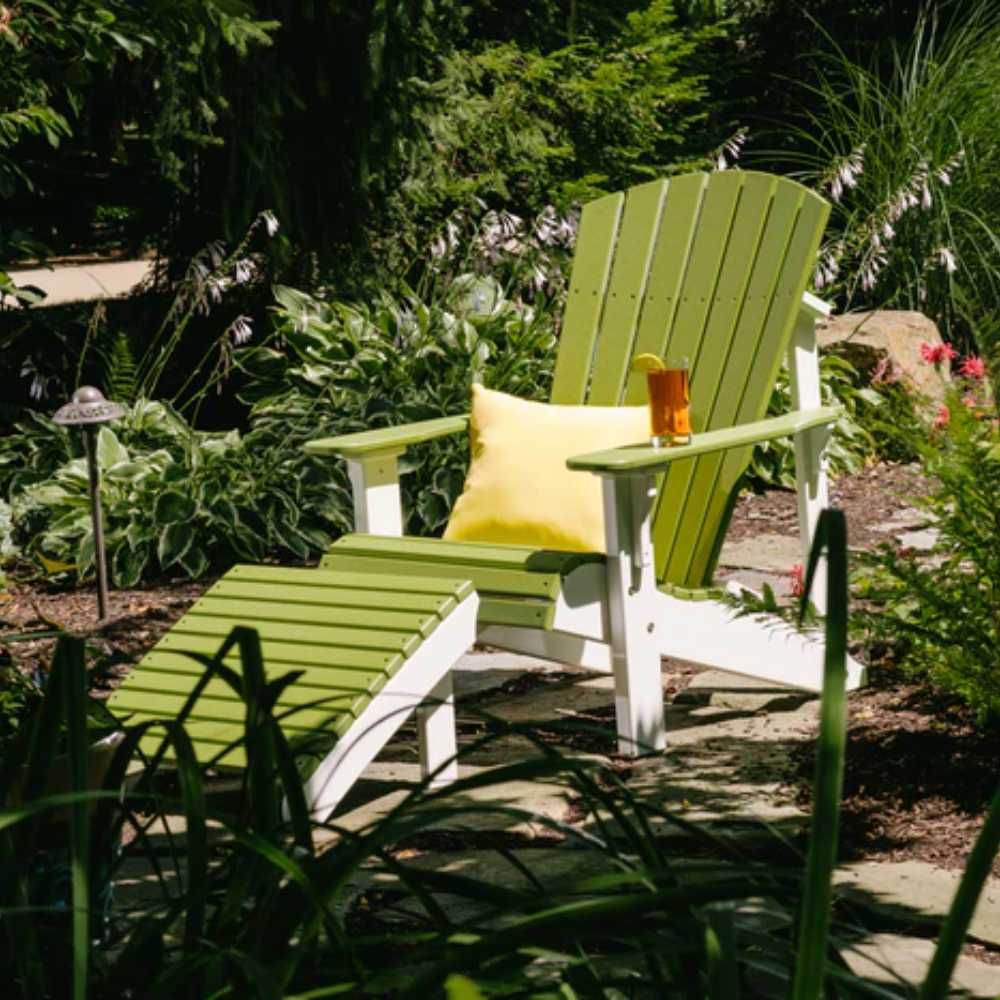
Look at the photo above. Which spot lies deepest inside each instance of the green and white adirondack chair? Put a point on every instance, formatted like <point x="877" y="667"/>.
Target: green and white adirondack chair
<point x="712" y="267"/>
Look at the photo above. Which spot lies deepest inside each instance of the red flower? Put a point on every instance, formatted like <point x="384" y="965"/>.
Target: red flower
<point x="973" y="367"/>
<point x="798" y="575"/>
<point x="943" y="416"/>
<point x="934" y="354"/>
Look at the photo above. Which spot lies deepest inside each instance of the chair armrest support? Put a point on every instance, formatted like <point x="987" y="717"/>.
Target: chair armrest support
<point x="373" y="471"/>
<point x="387" y="440"/>
<point x="644" y="459"/>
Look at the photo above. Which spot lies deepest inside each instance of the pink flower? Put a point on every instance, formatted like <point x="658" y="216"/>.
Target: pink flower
<point x="943" y="416"/>
<point x="969" y="401"/>
<point x="973" y="367"/>
<point x="934" y="354"/>
<point x="798" y="575"/>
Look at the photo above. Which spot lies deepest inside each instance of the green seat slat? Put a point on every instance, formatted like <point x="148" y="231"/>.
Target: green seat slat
<point x="279" y="612"/>
<point x="334" y="598"/>
<point x="322" y="578"/>
<point x="172" y="659"/>
<point x="205" y="750"/>
<point x="195" y="624"/>
<point x="588" y="283"/>
<point x="164" y="671"/>
<point x="286" y="653"/>
<point x="428" y="551"/>
<point x="523" y="612"/>
<point x="509" y="581"/>
<point x="222" y="710"/>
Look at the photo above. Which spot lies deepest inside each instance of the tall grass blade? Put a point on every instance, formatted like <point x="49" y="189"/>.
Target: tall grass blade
<point x="977" y="869"/>
<point x="814" y="913"/>
<point x="720" y="953"/>
<point x="70" y="672"/>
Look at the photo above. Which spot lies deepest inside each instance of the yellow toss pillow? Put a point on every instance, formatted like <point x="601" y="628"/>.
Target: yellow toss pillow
<point x="519" y="490"/>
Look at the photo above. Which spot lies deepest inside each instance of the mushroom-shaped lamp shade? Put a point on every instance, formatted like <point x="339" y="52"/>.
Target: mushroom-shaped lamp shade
<point x="88" y="406"/>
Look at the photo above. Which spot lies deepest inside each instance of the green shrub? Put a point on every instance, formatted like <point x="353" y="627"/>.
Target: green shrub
<point x="910" y="157"/>
<point x="521" y="127"/>
<point x="940" y="611"/>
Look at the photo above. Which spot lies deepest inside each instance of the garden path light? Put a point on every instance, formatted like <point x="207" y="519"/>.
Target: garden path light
<point x="89" y="409"/>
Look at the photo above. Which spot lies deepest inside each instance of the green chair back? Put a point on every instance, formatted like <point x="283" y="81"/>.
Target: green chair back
<point x="710" y="267"/>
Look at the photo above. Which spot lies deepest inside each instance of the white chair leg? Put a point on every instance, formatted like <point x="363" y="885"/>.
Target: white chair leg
<point x="632" y="593"/>
<point x="437" y="733"/>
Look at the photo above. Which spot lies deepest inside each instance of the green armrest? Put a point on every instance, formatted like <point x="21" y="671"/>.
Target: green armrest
<point x="365" y="443"/>
<point x="644" y="458"/>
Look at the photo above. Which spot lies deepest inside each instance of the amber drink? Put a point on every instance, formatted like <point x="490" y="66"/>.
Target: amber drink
<point x="669" y="395"/>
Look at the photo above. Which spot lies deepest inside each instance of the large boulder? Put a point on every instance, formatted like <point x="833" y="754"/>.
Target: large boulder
<point x="885" y="345"/>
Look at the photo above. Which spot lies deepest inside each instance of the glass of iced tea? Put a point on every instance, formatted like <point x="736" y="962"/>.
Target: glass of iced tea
<point x="669" y="396"/>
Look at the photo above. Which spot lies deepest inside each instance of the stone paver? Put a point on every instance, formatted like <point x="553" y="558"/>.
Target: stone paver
<point x="922" y="541"/>
<point x="766" y="553"/>
<point x="903" y="961"/>
<point x="915" y="889"/>
<point x="81" y="283"/>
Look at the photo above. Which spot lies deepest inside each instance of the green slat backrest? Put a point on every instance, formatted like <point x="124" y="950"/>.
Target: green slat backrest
<point x="710" y="267"/>
<point x="595" y="245"/>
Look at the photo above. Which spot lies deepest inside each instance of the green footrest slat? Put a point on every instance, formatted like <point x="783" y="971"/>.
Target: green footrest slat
<point x="348" y="631"/>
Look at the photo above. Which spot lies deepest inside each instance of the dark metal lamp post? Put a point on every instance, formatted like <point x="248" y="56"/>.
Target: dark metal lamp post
<point x="89" y="409"/>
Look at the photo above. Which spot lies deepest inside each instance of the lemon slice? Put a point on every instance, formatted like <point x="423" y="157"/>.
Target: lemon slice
<point x="647" y="363"/>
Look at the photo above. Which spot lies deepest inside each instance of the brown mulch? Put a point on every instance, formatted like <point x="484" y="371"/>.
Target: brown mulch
<point x="869" y="499"/>
<point x="920" y="771"/>
<point x="136" y="621"/>
<point x="919" y="775"/>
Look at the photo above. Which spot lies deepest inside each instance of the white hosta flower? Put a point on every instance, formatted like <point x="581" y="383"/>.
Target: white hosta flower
<point x="720" y="163"/>
<point x="439" y="248"/>
<point x="217" y="288"/>
<point x="270" y="223"/>
<point x="947" y="259"/>
<point x="735" y="145"/>
<point x="925" y="199"/>
<point x="510" y="223"/>
<point x="244" y="270"/>
<point x="241" y="329"/>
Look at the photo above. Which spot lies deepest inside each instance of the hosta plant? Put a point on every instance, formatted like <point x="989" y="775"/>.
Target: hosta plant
<point x="850" y="445"/>
<point x="174" y="500"/>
